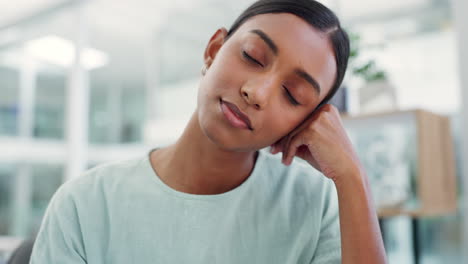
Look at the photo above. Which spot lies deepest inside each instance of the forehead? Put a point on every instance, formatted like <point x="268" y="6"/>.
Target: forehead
<point x="300" y="45"/>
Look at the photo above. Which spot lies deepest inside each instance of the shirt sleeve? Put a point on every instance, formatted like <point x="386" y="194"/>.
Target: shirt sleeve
<point x="328" y="248"/>
<point x="59" y="239"/>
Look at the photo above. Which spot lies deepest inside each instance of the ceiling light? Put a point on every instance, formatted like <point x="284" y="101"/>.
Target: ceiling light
<point x="60" y="51"/>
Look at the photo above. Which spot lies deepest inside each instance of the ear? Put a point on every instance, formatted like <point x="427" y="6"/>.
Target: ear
<point x="214" y="45"/>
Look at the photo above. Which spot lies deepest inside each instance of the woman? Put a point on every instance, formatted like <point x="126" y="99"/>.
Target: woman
<point x="213" y="196"/>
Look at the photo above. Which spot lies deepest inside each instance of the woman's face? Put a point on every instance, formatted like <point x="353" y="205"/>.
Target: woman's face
<point x="275" y="69"/>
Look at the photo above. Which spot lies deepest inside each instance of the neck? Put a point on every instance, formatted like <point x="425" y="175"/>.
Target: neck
<point x="194" y="164"/>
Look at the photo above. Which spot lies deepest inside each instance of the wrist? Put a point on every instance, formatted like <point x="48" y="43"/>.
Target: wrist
<point x="355" y="176"/>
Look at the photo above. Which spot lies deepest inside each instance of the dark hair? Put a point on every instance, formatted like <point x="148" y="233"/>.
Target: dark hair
<point x="318" y="16"/>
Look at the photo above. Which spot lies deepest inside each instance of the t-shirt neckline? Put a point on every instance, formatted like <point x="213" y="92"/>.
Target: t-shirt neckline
<point x="189" y="196"/>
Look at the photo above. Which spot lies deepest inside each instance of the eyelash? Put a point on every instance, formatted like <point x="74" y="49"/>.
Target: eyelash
<point x="288" y="95"/>
<point x="251" y="59"/>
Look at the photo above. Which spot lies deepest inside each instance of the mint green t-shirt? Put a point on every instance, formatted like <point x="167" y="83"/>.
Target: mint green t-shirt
<point x="123" y="213"/>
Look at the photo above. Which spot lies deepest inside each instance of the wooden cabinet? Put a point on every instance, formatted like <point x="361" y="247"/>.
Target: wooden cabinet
<point x="409" y="158"/>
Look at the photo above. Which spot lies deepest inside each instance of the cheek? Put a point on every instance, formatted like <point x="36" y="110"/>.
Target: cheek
<point x="282" y="121"/>
<point x="225" y="74"/>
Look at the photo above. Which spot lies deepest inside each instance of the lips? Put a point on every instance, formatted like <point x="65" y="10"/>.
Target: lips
<point x="235" y="115"/>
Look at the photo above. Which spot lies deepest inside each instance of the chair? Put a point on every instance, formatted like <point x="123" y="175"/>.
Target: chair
<point x="22" y="254"/>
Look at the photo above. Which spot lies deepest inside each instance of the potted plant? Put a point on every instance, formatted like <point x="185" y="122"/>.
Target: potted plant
<point x="376" y="93"/>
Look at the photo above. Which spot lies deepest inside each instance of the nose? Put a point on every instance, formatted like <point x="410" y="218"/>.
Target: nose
<point x="258" y="93"/>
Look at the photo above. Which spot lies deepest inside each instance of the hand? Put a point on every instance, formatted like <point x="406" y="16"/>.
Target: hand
<point x="322" y="141"/>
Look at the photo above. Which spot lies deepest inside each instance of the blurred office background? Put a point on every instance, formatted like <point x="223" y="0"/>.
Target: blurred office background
<point x="85" y="82"/>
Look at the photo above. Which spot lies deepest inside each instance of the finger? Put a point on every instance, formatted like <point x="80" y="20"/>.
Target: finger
<point x="291" y="149"/>
<point x="274" y="149"/>
<point x="306" y="153"/>
<point x="281" y="144"/>
<point x="284" y="142"/>
<point x="307" y="121"/>
<point x="298" y="131"/>
<point x="278" y="145"/>
<point x="285" y="147"/>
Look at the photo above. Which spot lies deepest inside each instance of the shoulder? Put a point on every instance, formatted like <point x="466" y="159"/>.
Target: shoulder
<point x="80" y="207"/>
<point x="297" y="195"/>
<point x="297" y="185"/>
<point x="101" y="179"/>
<point x="300" y="175"/>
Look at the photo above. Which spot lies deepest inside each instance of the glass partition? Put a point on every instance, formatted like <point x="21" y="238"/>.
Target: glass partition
<point x="51" y="85"/>
<point x="8" y="99"/>
<point x="25" y="193"/>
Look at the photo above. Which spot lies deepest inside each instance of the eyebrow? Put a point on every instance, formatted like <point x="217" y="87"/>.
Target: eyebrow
<point x="304" y="75"/>
<point x="267" y="40"/>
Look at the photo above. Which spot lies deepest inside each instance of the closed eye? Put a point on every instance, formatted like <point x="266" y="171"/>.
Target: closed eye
<point x="290" y="97"/>
<point x="251" y="59"/>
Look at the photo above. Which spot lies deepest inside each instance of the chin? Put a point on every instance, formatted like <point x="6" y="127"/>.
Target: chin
<point x="220" y="136"/>
<point x="230" y="142"/>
